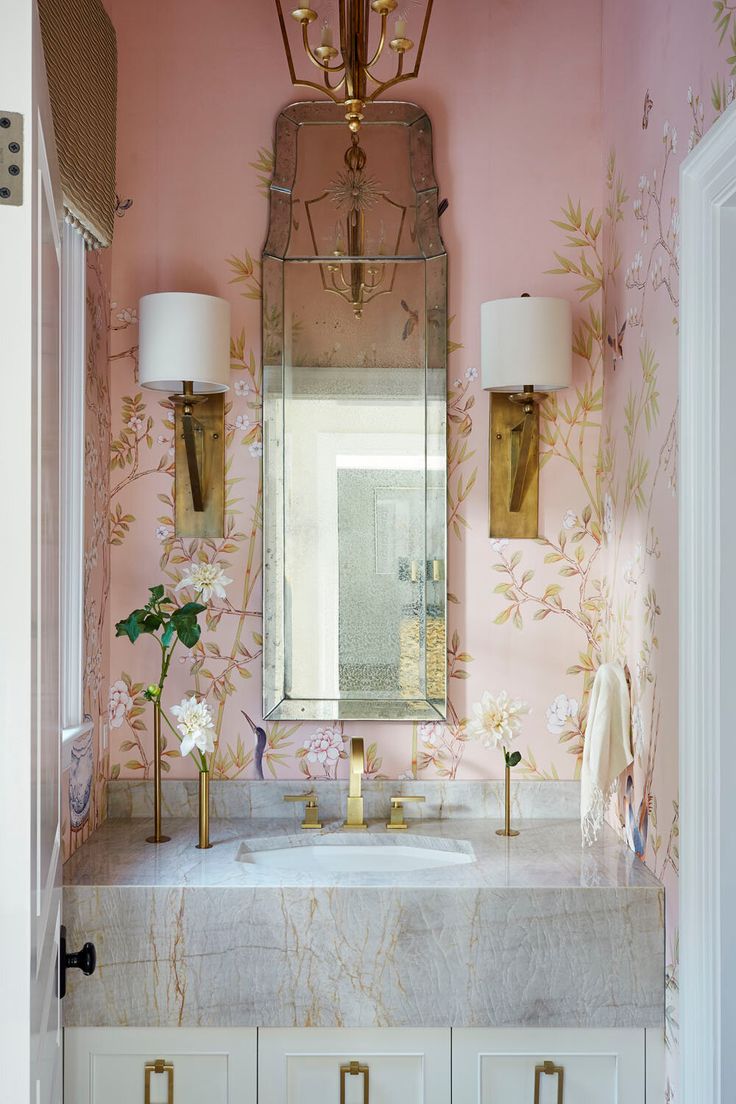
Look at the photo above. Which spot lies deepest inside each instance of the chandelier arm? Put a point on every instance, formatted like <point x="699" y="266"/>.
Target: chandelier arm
<point x="334" y="87"/>
<point x="379" y="48"/>
<point x="287" y="44"/>
<point x="400" y="75"/>
<point x="323" y="66"/>
<point x="319" y="87"/>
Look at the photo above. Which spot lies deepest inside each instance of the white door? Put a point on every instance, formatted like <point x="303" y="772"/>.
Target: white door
<point x="30" y="836"/>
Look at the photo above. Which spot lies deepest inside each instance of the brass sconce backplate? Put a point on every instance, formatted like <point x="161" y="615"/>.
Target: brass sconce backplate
<point x="209" y="433"/>
<point x="506" y="420"/>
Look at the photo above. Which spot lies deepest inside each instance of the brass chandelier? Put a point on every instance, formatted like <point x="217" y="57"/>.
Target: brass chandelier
<point x="349" y="73"/>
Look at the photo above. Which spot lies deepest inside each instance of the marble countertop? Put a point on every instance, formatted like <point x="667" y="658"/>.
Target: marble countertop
<point x="536" y="931"/>
<point x="547" y="854"/>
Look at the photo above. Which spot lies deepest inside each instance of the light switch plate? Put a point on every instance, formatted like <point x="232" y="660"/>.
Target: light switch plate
<point x="11" y="159"/>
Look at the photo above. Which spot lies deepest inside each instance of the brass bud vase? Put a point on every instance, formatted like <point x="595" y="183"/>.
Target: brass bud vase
<point x="204" y="811"/>
<point x="157" y="836"/>
<point x="507" y="830"/>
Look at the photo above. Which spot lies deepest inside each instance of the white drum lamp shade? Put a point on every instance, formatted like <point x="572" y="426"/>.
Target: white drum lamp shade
<point x="184" y="338"/>
<point x="526" y="341"/>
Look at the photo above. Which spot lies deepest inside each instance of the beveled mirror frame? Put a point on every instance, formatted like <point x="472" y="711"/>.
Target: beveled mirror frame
<point x="429" y="249"/>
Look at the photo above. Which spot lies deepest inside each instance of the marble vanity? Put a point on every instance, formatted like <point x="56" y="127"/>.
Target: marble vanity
<point x="527" y="932"/>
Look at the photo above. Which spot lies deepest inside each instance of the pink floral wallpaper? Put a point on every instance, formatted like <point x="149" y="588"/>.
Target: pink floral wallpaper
<point x="83" y="784"/>
<point x="668" y="73"/>
<point x="199" y="93"/>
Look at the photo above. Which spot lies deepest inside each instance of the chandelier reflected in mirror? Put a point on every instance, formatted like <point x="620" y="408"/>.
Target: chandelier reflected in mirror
<point x="351" y="73"/>
<point x="363" y="275"/>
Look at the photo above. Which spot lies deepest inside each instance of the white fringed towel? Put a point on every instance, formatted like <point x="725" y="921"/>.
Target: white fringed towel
<point x="607" y="749"/>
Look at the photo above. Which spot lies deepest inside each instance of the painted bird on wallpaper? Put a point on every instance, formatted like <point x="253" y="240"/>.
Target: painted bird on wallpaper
<point x="261" y="740"/>
<point x="616" y="341"/>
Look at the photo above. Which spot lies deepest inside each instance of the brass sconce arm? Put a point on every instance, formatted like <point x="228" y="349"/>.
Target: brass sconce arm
<point x="522" y="444"/>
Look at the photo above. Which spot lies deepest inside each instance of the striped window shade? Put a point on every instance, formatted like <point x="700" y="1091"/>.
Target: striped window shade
<point x="81" y="63"/>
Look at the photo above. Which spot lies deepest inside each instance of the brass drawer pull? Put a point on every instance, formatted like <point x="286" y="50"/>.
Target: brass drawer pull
<point x="354" y="1069"/>
<point x="160" y="1065"/>
<point x="550" y="1069"/>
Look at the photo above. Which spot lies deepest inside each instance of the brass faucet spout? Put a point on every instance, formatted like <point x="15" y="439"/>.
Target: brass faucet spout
<point x="355" y="819"/>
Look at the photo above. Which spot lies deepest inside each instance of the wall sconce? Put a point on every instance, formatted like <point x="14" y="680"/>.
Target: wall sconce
<point x="184" y="348"/>
<point x="526" y="352"/>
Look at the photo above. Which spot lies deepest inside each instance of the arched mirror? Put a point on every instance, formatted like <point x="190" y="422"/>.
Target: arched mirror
<point x="354" y="365"/>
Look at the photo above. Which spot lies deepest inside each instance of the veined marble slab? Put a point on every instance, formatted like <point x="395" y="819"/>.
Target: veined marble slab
<point x="536" y="931"/>
<point x="250" y="798"/>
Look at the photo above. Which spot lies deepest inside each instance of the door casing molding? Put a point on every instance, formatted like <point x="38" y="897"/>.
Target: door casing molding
<point x="707" y="530"/>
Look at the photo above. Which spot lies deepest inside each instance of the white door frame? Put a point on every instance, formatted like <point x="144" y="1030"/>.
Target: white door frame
<point x="707" y="544"/>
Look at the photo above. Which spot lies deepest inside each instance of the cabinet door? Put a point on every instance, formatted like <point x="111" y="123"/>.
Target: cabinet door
<point x="353" y="1066"/>
<point x="530" y="1065"/>
<point x="113" y="1065"/>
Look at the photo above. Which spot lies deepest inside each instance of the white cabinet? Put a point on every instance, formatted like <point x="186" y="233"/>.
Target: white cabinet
<point x="354" y="1066"/>
<point x="548" y="1065"/>
<point x="110" y="1065"/>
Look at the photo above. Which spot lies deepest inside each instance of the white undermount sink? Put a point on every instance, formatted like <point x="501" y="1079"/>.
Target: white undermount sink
<point x="330" y="857"/>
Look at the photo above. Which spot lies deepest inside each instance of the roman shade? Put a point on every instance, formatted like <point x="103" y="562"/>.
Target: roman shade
<point x="81" y="64"/>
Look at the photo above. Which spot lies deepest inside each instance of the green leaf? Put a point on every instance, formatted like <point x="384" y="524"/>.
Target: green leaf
<point x="187" y="630"/>
<point x="168" y="634"/>
<point x="129" y="628"/>
<point x="189" y="607"/>
<point x="513" y="759"/>
<point x="157" y="592"/>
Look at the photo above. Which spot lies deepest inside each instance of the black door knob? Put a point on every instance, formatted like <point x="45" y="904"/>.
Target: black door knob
<point x="84" y="960"/>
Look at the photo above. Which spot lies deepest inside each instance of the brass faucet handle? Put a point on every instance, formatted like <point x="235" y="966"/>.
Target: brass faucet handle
<point x="311" y="810"/>
<point x="397" y="821"/>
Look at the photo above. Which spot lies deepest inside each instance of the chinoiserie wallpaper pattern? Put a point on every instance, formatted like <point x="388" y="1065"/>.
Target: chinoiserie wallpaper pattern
<point x="84" y="780"/>
<point x="599" y="225"/>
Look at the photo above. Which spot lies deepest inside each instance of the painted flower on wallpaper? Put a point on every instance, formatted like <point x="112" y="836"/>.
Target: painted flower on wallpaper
<point x="207" y="579"/>
<point x="194" y="722"/>
<point x="471" y="373"/>
<point x="324" y="748"/>
<point x="242" y="388"/>
<point x="242" y="421"/>
<point x="561" y="713"/>
<point x="163" y="533"/>
<point x="496" y="721"/>
<point x="634" y="568"/>
<point x="256" y="449"/>
<point x="570" y="520"/>
<point x="119" y="704"/>
<point x="431" y="733"/>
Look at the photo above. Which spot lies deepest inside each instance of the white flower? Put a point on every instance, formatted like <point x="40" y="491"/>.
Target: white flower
<point x="560" y="712"/>
<point x="136" y="424"/>
<point x="207" y="579"/>
<point x="690" y="94"/>
<point x="195" y="725"/>
<point x="324" y="747"/>
<point x="242" y="387"/>
<point x="118" y="704"/>
<point x="471" y="373"/>
<point x="608" y="515"/>
<point x="570" y="519"/>
<point x="256" y="449"/>
<point x="496" y="721"/>
<point x="163" y="532"/>
<point x="128" y="315"/>
<point x="431" y="733"/>
<point x="242" y="421"/>
<point x="498" y="543"/>
<point x="457" y="383"/>
<point x="643" y="183"/>
<point x="162" y="440"/>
